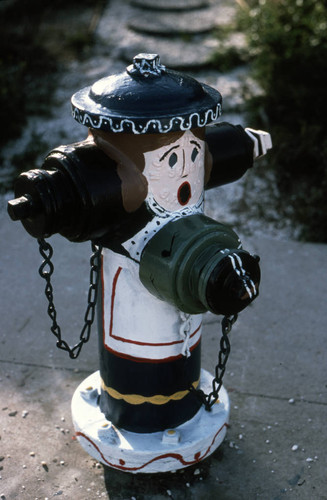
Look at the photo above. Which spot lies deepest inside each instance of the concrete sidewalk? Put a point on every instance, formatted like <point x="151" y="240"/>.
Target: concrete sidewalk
<point x="276" y="378"/>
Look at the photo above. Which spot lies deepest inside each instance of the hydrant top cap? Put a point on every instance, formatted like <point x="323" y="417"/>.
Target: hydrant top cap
<point x="146" y="98"/>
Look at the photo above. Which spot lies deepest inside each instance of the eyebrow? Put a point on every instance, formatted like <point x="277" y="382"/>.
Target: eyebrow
<point x="167" y="152"/>
<point x="196" y="143"/>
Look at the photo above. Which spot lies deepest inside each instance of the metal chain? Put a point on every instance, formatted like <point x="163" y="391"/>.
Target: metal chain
<point x="210" y="399"/>
<point x="46" y="270"/>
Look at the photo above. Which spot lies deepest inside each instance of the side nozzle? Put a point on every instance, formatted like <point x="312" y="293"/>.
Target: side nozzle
<point x="198" y="265"/>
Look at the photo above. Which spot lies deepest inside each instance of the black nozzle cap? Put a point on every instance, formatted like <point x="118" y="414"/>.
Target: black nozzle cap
<point x="234" y="283"/>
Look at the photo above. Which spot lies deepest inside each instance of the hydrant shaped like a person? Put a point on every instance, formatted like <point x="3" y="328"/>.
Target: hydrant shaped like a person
<point x="135" y="188"/>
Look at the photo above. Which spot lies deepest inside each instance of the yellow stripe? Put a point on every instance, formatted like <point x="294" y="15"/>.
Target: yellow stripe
<point x="138" y="399"/>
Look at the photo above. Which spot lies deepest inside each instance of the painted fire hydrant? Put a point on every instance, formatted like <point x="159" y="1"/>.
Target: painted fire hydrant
<point x="135" y="188"/>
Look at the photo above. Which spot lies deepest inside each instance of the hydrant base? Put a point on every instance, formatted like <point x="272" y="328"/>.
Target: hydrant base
<point x="154" y="452"/>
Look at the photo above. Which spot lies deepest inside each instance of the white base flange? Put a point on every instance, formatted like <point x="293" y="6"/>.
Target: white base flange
<point x="133" y="452"/>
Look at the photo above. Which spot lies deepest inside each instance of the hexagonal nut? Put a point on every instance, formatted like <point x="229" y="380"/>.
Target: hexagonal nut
<point x="171" y="436"/>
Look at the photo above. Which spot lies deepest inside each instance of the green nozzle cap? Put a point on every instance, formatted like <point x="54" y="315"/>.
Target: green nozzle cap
<point x="196" y="264"/>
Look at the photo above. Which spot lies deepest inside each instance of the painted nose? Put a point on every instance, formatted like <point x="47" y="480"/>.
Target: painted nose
<point x="186" y="167"/>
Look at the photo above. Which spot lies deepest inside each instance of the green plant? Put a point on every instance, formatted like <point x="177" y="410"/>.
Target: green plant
<point x="288" y="39"/>
<point x="227" y="59"/>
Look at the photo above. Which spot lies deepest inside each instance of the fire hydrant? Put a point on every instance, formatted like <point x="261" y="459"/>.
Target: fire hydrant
<point x="135" y="188"/>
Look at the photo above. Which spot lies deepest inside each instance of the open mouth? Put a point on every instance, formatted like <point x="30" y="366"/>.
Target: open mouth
<point x="184" y="193"/>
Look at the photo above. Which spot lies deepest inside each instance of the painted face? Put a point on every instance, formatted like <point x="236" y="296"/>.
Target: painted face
<point x="175" y="172"/>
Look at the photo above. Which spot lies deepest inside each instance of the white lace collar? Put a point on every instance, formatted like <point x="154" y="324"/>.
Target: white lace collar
<point x="135" y="245"/>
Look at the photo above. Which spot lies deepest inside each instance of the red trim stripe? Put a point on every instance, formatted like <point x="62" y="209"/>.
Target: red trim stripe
<point x="113" y="294"/>
<point x="176" y="456"/>
<point x="102" y="283"/>
<point x="151" y="344"/>
<point x="149" y="360"/>
<point x="129" y="341"/>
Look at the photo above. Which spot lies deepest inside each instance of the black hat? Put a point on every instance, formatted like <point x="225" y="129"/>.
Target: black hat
<point x="147" y="98"/>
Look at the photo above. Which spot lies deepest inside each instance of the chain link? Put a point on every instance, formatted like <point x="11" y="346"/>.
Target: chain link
<point x="208" y="400"/>
<point x="45" y="271"/>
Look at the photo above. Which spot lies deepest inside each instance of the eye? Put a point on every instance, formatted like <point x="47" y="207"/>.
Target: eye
<point x="172" y="160"/>
<point x="194" y="154"/>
